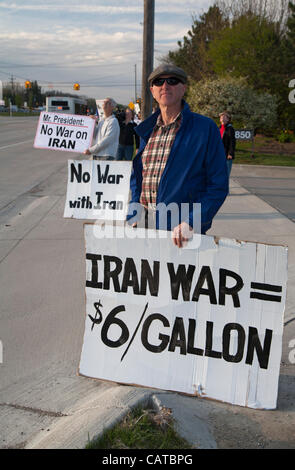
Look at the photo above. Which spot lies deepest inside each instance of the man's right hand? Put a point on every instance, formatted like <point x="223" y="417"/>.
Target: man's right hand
<point x="181" y="234"/>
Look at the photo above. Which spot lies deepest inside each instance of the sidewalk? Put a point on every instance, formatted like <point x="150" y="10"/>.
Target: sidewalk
<point x="205" y="423"/>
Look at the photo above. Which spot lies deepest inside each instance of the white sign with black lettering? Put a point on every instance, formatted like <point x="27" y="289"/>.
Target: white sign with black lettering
<point x="97" y="189"/>
<point x="66" y="132"/>
<point x="99" y="107"/>
<point x="206" y="321"/>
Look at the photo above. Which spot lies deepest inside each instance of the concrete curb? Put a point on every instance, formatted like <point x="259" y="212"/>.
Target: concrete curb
<point x="188" y="424"/>
<point x="89" y="419"/>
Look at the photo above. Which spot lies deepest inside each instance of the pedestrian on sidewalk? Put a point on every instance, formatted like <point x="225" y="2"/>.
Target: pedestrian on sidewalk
<point x="227" y="133"/>
<point x="106" y="134"/>
<point x="128" y="136"/>
<point x="180" y="160"/>
<point x="137" y="118"/>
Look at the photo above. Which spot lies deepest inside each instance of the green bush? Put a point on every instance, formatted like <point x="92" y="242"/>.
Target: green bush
<point x="285" y="136"/>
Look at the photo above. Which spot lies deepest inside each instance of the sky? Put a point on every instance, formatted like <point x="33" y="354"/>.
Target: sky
<point x="96" y="43"/>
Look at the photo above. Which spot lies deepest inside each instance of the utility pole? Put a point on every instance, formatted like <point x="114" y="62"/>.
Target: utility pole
<point x="12" y="95"/>
<point x="148" y="56"/>
<point x="12" y="84"/>
<point x="135" y="91"/>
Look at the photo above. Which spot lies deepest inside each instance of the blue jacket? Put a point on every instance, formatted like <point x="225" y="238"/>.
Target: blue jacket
<point x="195" y="171"/>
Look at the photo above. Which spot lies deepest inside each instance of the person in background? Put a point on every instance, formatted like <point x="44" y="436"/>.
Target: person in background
<point x="180" y="160"/>
<point x="127" y="136"/>
<point x="227" y="133"/>
<point x="137" y="118"/>
<point x="106" y="134"/>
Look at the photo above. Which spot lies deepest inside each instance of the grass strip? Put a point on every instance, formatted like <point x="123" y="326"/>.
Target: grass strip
<point x="142" y="429"/>
<point x="245" y="158"/>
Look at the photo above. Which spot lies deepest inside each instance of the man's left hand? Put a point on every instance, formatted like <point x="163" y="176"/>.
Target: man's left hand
<point x="181" y="234"/>
<point x="86" y="152"/>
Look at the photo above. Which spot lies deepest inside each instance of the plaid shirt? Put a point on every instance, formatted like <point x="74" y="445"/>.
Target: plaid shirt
<point x="154" y="158"/>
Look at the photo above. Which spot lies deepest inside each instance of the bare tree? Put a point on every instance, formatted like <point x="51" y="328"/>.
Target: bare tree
<point x="275" y="11"/>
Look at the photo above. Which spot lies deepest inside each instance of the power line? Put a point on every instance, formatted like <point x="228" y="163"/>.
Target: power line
<point x="16" y="76"/>
<point x="84" y="85"/>
<point x="94" y="85"/>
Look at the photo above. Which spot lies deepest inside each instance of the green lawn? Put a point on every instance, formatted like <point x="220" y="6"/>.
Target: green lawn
<point x="267" y="151"/>
<point x="142" y="429"/>
<point x="245" y="158"/>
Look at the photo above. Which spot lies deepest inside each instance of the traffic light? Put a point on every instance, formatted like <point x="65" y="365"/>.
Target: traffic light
<point x="76" y="86"/>
<point x="28" y="84"/>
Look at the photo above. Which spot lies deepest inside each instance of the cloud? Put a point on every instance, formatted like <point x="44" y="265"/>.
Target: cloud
<point x="94" y="41"/>
<point x="71" y="7"/>
<point x="81" y="37"/>
<point x="104" y="7"/>
<point x="85" y="42"/>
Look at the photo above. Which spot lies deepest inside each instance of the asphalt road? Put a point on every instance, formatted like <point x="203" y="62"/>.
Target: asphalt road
<point x="37" y="247"/>
<point x="22" y="166"/>
<point x="275" y="186"/>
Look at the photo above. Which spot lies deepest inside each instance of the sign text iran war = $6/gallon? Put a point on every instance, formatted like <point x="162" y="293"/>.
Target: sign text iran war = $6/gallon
<point x="124" y="278"/>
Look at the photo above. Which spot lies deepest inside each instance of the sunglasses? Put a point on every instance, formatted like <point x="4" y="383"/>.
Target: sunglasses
<point x="170" y="80"/>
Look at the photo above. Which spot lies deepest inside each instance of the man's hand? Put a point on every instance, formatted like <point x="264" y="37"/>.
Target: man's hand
<point x="86" y="152"/>
<point x="229" y="157"/>
<point x="181" y="234"/>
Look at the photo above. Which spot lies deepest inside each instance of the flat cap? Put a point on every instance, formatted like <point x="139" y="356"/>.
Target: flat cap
<point x="168" y="69"/>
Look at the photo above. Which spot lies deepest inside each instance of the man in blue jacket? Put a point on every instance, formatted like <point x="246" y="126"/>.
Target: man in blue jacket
<point x="181" y="159"/>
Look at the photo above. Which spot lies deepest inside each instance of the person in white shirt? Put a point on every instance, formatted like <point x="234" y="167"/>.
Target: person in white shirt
<point x="106" y="134"/>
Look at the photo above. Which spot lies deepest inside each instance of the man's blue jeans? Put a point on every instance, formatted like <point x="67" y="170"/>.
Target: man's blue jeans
<point x="229" y="165"/>
<point x="125" y="152"/>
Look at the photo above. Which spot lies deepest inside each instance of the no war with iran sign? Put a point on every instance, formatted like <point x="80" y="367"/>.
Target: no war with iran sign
<point x="97" y="189"/>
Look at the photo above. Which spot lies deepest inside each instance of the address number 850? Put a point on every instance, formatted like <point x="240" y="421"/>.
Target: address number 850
<point x="243" y="135"/>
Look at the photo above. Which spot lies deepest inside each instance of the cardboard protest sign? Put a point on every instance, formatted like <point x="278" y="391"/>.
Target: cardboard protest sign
<point x="205" y="321"/>
<point x="99" y="108"/>
<point x="137" y="108"/>
<point x="97" y="189"/>
<point x="66" y="132"/>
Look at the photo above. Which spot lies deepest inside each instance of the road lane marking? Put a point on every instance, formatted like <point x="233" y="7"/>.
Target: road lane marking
<point x="18" y="143"/>
<point x="14" y="121"/>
